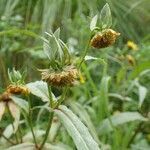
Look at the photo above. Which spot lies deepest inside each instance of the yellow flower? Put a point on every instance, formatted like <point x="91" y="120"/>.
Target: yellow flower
<point x="82" y="79"/>
<point x="131" y="45"/>
<point x="130" y="59"/>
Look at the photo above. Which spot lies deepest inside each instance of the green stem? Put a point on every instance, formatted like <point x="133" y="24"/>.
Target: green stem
<point x="48" y="129"/>
<point x="62" y="96"/>
<point x="30" y="121"/>
<point x="85" y="52"/>
<point x="50" y="96"/>
<point x="19" y="129"/>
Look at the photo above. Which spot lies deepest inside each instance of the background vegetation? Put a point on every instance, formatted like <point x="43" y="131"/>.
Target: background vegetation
<point x="123" y="91"/>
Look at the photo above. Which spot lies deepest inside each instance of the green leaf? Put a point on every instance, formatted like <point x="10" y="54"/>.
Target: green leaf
<point x="28" y="137"/>
<point x="103" y="98"/>
<point x="105" y="17"/>
<point x="87" y="57"/>
<point x="93" y="22"/>
<point x="81" y="111"/>
<point x="142" y="91"/>
<point x="47" y="50"/>
<point x="21" y="103"/>
<point x="39" y="89"/>
<point x="57" y="33"/>
<point x="54" y="130"/>
<point x="2" y="109"/>
<point x="15" y="112"/>
<point x="9" y="131"/>
<point x="120" y="97"/>
<point x="142" y="94"/>
<point x="23" y="146"/>
<point x="118" y="119"/>
<point x="76" y="129"/>
<point x="58" y="146"/>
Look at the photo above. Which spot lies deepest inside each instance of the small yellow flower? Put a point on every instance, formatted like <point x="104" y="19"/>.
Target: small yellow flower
<point x="131" y="45"/>
<point x="81" y="78"/>
<point x="130" y="59"/>
<point x="104" y="39"/>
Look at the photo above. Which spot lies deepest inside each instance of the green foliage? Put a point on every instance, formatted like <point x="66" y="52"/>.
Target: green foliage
<point x="111" y="97"/>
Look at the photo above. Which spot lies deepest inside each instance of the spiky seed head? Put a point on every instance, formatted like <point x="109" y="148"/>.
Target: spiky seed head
<point x="66" y="77"/>
<point x="17" y="89"/>
<point x="104" y="39"/>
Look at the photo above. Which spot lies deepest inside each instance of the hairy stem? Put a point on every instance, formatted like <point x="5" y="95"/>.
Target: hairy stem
<point x="85" y="52"/>
<point x="48" y="129"/>
<point x="30" y="121"/>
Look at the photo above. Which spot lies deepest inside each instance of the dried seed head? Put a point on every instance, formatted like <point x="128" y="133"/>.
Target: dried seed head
<point x="17" y="89"/>
<point x="104" y="39"/>
<point x="67" y="77"/>
<point x="5" y="97"/>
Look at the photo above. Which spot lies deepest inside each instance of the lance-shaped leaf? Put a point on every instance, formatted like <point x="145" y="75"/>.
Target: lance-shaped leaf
<point x="15" y="112"/>
<point x="76" y="129"/>
<point x="142" y="94"/>
<point x="21" y="103"/>
<point x="119" y="119"/>
<point x="39" y="89"/>
<point x="47" y="50"/>
<point x="82" y="113"/>
<point x="9" y="130"/>
<point x="105" y="17"/>
<point x="2" y="109"/>
<point x="93" y="22"/>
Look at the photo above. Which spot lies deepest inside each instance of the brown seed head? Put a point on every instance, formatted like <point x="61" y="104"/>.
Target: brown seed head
<point x="17" y="89"/>
<point x="104" y="39"/>
<point x="5" y="97"/>
<point x="67" y="77"/>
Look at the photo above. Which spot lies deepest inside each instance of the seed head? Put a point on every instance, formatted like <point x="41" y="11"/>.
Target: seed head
<point x="104" y="39"/>
<point x="17" y="89"/>
<point x="5" y="97"/>
<point x="66" y="77"/>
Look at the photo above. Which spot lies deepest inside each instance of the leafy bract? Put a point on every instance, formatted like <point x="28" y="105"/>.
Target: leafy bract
<point x="105" y="17"/>
<point x="93" y="22"/>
